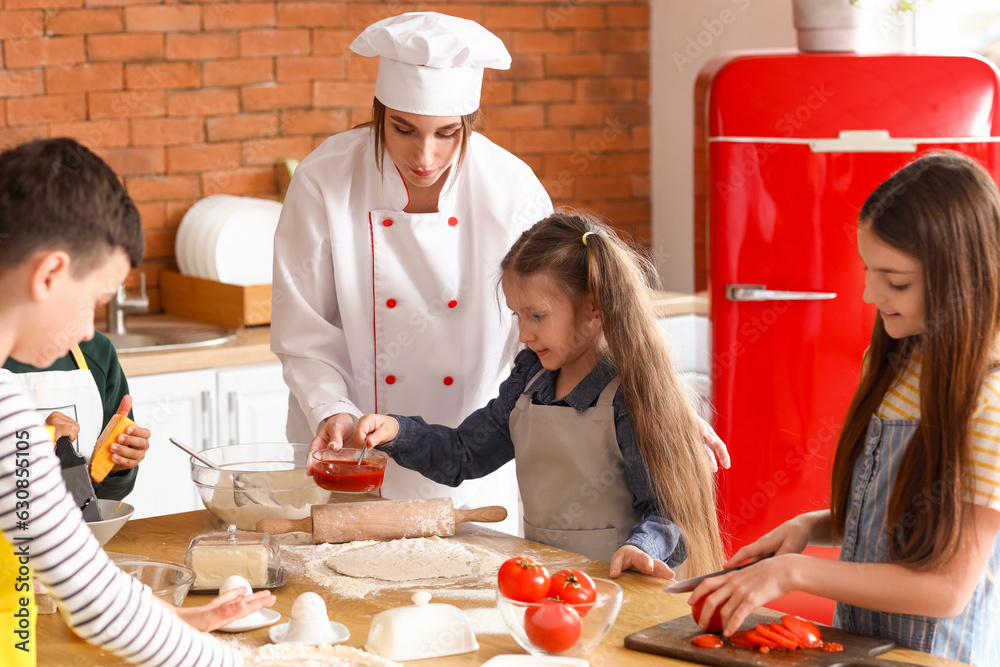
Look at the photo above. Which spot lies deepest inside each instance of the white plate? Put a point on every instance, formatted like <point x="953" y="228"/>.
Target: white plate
<point x="258" y="619"/>
<point x="534" y="660"/>
<point x="339" y="634"/>
<point x="244" y="249"/>
<point x="190" y="235"/>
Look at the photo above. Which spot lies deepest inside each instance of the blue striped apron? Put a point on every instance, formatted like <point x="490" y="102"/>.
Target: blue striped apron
<point x="974" y="635"/>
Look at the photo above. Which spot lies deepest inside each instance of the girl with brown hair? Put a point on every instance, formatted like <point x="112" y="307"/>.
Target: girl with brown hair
<point x="916" y="481"/>
<point x="610" y="461"/>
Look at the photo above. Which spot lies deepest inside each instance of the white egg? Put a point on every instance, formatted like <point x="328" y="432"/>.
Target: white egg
<point x="233" y="582"/>
<point x="309" y="607"/>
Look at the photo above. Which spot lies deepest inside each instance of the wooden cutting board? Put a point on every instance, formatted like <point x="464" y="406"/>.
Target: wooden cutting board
<point x="673" y="639"/>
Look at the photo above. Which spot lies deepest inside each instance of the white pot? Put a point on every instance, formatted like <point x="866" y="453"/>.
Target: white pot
<point x="826" y="25"/>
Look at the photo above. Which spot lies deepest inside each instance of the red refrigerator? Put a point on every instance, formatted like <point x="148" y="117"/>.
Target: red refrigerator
<point x="796" y="143"/>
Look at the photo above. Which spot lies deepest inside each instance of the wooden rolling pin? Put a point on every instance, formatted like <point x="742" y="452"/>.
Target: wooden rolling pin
<point x="382" y="520"/>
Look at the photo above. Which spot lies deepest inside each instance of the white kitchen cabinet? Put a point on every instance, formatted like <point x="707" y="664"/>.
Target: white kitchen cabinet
<point x="202" y="409"/>
<point x="253" y="404"/>
<point x="170" y="405"/>
<point x="689" y="339"/>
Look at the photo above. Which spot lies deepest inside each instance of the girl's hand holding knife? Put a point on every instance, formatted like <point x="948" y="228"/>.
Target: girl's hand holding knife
<point x="741" y="590"/>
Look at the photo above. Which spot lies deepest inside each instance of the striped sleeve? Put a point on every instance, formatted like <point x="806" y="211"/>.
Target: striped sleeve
<point x="985" y="441"/>
<point x="101" y="603"/>
<point x="902" y="401"/>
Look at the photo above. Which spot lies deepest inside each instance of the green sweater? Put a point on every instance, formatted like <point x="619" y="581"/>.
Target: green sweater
<point x="102" y="361"/>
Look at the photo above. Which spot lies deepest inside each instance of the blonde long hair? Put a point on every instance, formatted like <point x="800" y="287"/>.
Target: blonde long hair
<point x="619" y="281"/>
<point x="944" y="210"/>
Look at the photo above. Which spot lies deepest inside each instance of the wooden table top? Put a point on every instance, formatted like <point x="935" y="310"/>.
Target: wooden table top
<point x="167" y="538"/>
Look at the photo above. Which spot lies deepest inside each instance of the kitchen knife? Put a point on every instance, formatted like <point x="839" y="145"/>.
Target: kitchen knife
<point x="77" y="479"/>
<point x="688" y="585"/>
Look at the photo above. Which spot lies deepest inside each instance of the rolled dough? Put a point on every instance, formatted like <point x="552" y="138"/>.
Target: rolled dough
<point x="411" y="560"/>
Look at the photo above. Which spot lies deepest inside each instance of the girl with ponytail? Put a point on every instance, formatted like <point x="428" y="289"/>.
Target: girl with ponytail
<point x="610" y="456"/>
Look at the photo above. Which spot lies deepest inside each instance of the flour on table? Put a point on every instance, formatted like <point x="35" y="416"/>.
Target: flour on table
<point x="408" y="560"/>
<point x="358" y="569"/>
<point x="324" y="655"/>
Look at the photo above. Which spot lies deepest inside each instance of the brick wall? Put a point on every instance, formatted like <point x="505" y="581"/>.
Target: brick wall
<point x="190" y="99"/>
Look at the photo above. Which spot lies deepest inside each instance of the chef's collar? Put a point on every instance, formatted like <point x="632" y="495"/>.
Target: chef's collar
<point x="397" y="195"/>
<point x="431" y="64"/>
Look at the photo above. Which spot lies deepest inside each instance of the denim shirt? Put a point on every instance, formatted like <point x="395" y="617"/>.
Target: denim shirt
<point x="482" y="443"/>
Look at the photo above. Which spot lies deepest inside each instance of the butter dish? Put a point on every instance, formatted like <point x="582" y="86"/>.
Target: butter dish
<point x="420" y="630"/>
<point x="216" y="556"/>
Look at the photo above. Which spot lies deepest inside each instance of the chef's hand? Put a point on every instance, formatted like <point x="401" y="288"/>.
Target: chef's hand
<point x="714" y="447"/>
<point x="62" y="426"/>
<point x="332" y="433"/>
<point x="132" y="445"/>
<point x="740" y="593"/>
<point x="375" y="430"/>
<point x="224" y="609"/>
<point x="629" y="557"/>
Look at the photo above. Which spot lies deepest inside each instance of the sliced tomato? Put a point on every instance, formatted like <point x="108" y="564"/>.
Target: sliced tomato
<point x="776" y="626"/>
<point x="760" y="640"/>
<point x="740" y="638"/>
<point x="832" y="647"/>
<point x="707" y="641"/>
<point x="805" y="631"/>
<point x="765" y="631"/>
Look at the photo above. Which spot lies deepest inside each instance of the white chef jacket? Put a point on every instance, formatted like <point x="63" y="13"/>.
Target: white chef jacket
<point x="379" y="311"/>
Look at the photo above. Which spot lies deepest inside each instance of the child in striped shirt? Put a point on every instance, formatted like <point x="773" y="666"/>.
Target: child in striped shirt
<point x="915" y="501"/>
<point x="68" y="235"/>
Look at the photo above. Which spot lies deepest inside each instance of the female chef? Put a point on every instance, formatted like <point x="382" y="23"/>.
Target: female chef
<point x="386" y="252"/>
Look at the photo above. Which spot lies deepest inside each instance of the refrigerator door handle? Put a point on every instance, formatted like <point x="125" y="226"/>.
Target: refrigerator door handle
<point x="761" y="293"/>
<point x="863" y="141"/>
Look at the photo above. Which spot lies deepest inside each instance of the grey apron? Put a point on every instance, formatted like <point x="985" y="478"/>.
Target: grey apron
<point x="572" y="475"/>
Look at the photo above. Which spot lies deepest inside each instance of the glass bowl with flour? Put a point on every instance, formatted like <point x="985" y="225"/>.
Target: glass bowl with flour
<point x="257" y="481"/>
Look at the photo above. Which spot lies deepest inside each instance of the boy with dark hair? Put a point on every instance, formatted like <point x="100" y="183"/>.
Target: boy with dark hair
<point x="69" y="234"/>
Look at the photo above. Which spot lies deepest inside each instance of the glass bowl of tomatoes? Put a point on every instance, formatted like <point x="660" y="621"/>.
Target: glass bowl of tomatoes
<point x="554" y="627"/>
<point x="344" y="470"/>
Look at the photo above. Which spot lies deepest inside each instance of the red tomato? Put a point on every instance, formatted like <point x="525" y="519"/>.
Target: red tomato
<point x="523" y="579"/>
<point x="714" y="625"/>
<point x="707" y="641"/>
<point x="805" y="631"/>
<point x="740" y="638"/>
<point x="777" y="627"/>
<point x="832" y="647"/>
<point x="573" y="587"/>
<point x="553" y="626"/>
<point x="765" y="631"/>
<point x="760" y="640"/>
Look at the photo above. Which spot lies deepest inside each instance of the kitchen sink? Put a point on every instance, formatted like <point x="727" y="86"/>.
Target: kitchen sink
<point x="156" y="333"/>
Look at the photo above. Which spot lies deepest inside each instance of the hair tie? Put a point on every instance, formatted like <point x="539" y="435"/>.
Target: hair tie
<point x="585" y="235"/>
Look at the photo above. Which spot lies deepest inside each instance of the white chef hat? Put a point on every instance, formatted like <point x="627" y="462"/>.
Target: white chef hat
<point x="431" y="64"/>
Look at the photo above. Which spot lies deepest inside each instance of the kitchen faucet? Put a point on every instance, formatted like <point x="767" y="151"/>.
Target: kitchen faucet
<point x="122" y="304"/>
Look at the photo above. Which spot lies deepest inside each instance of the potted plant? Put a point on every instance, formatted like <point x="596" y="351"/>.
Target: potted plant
<point x="832" y="25"/>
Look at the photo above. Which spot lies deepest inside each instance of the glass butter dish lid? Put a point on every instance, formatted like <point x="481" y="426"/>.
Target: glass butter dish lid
<point x="253" y="556"/>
